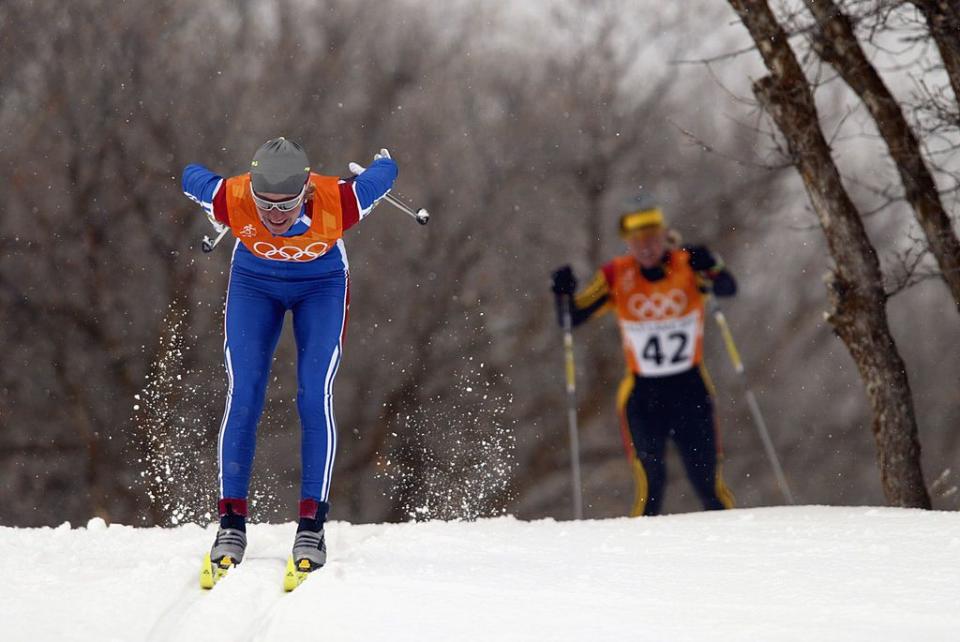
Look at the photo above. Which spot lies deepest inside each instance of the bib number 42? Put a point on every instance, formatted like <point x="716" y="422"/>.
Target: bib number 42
<point x="676" y="349"/>
<point x="665" y="347"/>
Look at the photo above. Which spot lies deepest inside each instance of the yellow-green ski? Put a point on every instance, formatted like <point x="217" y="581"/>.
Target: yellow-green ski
<point x="211" y="573"/>
<point x="296" y="573"/>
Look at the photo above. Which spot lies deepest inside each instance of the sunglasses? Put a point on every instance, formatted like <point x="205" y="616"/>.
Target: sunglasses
<point x="287" y="205"/>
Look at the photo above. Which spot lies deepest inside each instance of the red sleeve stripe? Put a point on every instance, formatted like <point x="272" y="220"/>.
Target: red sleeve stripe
<point x="609" y="271"/>
<point x="219" y="204"/>
<point x="349" y="205"/>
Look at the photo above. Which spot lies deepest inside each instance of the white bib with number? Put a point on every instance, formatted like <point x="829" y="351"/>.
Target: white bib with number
<point x="663" y="347"/>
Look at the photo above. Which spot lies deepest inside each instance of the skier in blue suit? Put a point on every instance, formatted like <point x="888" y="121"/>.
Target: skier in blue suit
<point x="289" y="255"/>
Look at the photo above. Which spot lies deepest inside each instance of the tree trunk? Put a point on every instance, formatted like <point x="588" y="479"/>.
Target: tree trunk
<point x="943" y="18"/>
<point x="835" y="42"/>
<point x="857" y="298"/>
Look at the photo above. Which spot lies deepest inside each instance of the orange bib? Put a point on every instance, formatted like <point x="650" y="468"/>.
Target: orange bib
<point x="326" y="226"/>
<point x="661" y="322"/>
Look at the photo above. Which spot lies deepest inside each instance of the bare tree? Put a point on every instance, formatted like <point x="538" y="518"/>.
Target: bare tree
<point x="855" y="285"/>
<point x="942" y="18"/>
<point x="835" y="42"/>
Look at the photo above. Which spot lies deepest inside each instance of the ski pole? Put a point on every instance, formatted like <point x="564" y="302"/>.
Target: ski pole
<point x="572" y="405"/>
<point x="421" y="215"/>
<point x="761" y="425"/>
<point x="207" y="245"/>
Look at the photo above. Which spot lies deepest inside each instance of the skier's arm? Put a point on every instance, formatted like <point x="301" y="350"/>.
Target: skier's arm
<point x="712" y="271"/>
<point x="359" y="194"/>
<point x="206" y="188"/>
<point x="592" y="300"/>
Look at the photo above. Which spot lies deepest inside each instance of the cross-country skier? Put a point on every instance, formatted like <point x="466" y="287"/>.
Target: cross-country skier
<point x="289" y="255"/>
<point x="657" y="293"/>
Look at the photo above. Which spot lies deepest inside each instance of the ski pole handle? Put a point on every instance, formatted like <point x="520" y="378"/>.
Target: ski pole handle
<point x="207" y="245"/>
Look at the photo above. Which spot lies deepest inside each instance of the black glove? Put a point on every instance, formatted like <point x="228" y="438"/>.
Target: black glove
<point x="564" y="283"/>
<point x="701" y="259"/>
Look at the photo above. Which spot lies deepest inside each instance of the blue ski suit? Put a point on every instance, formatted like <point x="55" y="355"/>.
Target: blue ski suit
<point x="259" y="293"/>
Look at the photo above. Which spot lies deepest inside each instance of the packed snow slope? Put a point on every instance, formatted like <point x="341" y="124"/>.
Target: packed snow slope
<point x="806" y="573"/>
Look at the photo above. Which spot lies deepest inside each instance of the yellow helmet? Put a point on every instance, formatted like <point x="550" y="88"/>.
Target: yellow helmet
<point x="642" y="216"/>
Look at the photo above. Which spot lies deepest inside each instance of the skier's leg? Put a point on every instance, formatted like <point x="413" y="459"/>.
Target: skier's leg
<point x="319" y="323"/>
<point x="252" y="324"/>
<point x="648" y="433"/>
<point x="641" y="491"/>
<point x="695" y="436"/>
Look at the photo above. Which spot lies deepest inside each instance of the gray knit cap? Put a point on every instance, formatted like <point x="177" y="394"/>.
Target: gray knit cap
<point x="280" y="166"/>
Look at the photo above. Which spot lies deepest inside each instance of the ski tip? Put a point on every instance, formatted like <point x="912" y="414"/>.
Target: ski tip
<point x="211" y="573"/>
<point x="206" y="573"/>
<point x="297" y="573"/>
<point x="290" y="580"/>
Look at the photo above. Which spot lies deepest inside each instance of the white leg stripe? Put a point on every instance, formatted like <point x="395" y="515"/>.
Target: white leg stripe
<point x="328" y="393"/>
<point x="226" y="414"/>
<point x="331" y="425"/>
<point x="228" y="362"/>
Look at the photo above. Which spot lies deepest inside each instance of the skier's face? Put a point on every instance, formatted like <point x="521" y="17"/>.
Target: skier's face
<point x="648" y="247"/>
<point x="275" y="220"/>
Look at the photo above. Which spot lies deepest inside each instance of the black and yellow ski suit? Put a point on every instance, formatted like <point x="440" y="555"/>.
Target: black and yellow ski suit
<point x="664" y="395"/>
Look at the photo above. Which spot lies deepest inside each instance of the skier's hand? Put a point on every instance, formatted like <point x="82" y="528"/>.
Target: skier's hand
<point x="712" y="274"/>
<point x="564" y="282"/>
<point x="356" y="168"/>
<point x="701" y="260"/>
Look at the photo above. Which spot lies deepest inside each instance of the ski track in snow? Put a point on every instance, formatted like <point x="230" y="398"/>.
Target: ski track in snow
<point x="804" y="573"/>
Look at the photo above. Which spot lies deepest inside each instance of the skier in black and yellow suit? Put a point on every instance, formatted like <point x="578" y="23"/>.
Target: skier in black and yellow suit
<point x="657" y="292"/>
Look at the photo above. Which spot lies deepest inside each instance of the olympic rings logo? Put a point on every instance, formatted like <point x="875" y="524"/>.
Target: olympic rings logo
<point x="290" y="252"/>
<point x="657" y="305"/>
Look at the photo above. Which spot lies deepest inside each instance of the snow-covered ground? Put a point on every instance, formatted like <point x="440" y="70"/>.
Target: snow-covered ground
<point x="808" y="573"/>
